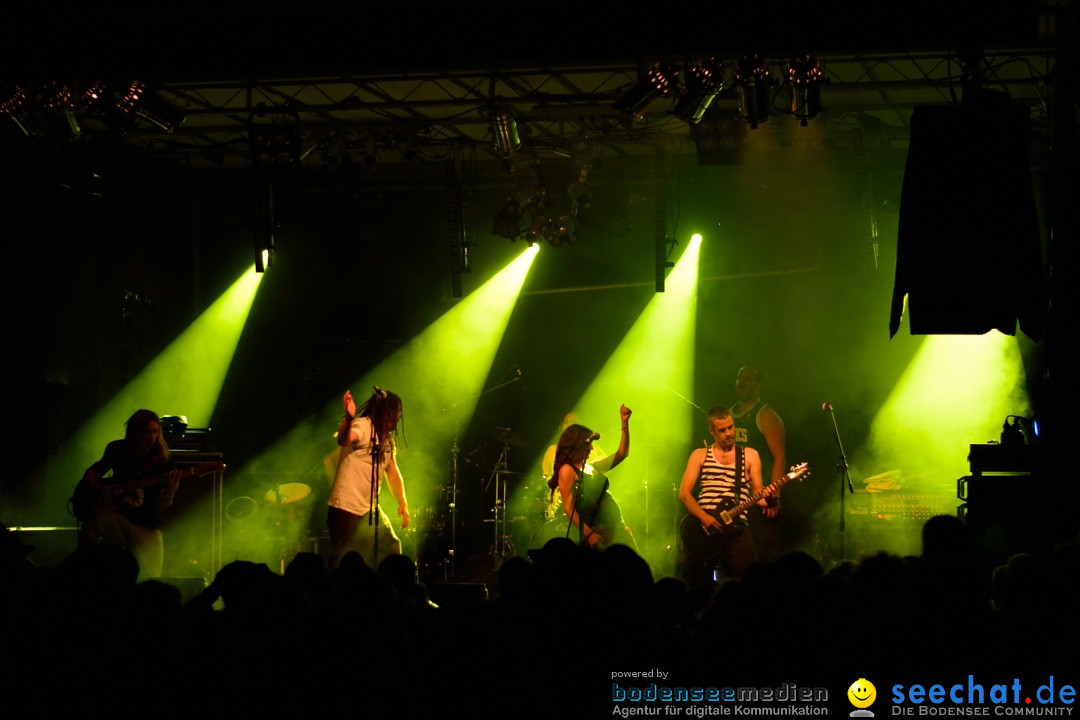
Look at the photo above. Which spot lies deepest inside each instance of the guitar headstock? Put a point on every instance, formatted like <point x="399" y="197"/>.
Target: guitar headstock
<point x="800" y="471"/>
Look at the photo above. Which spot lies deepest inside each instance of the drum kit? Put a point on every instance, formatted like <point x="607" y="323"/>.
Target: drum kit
<point x="486" y="513"/>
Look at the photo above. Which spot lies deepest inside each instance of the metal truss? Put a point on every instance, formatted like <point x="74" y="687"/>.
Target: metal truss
<point x="416" y="117"/>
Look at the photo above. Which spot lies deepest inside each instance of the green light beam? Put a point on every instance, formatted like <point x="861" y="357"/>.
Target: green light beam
<point x="184" y="379"/>
<point x="957" y="390"/>
<point x="649" y="369"/>
<point x="438" y="374"/>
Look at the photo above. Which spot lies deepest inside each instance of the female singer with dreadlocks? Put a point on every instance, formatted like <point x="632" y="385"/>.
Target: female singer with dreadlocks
<point x="368" y="443"/>
<point x="584" y="489"/>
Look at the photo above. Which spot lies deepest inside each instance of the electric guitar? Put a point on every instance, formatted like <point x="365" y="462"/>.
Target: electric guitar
<point x="703" y="542"/>
<point x="130" y="495"/>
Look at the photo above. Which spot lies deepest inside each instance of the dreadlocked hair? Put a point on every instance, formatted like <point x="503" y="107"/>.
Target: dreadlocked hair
<point x="384" y="409"/>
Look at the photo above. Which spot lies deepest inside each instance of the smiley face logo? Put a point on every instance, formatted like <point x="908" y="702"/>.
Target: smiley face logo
<point x="862" y="693"/>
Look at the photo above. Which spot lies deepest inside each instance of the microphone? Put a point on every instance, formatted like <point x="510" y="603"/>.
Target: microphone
<point x="826" y="406"/>
<point x="594" y="436"/>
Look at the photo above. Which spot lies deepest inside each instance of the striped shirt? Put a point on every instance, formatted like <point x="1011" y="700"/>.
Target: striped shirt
<point x="717" y="484"/>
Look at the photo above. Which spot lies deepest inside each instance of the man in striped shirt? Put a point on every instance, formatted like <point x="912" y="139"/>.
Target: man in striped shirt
<point x="724" y="474"/>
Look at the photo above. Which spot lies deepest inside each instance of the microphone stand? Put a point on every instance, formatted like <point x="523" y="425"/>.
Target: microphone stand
<point x="455" y="454"/>
<point x="845" y="478"/>
<point x="579" y="490"/>
<point x="376" y="477"/>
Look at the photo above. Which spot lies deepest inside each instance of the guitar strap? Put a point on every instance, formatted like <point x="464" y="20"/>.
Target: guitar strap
<point x="739" y="464"/>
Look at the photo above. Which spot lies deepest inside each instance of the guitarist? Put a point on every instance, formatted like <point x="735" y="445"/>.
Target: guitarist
<point x="124" y="508"/>
<point x="724" y="474"/>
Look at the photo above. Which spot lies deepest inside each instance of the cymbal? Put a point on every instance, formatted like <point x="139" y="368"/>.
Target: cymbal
<point x="289" y="493"/>
<point x="508" y="436"/>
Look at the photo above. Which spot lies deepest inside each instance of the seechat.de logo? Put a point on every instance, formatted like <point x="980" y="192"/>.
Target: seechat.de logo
<point x="862" y="695"/>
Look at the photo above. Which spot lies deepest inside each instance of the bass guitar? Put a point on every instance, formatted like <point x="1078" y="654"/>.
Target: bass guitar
<point x="703" y="542"/>
<point x="130" y="495"/>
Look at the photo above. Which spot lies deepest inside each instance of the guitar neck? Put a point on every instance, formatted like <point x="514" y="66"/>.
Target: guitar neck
<point x="193" y="471"/>
<point x="743" y="506"/>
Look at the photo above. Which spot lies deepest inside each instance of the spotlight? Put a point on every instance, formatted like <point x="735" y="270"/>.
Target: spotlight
<point x="659" y="82"/>
<point x="563" y="233"/>
<point x="804" y="80"/>
<point x="508" y="221"/>
<point x="131" y="97"/>
<point x="264" y="249"/>
<point x="265" y="229"/>
<point x="275" y="145"/>
<point x="262" y="259"/>
<point x="505" y="131"/>
<point x="13" y="104"/>
<point x="540" y="229"/>
<point x="139" y="101"/>
<point x="56" y="99"/>
<point x="90" y="97"/>
<point x="703" y="83"/>
<point x="755" y="83"/>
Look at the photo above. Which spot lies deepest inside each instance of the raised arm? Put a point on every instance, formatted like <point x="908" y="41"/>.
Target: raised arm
<point x="345" y="434"/>
<point x="623" y="450"/>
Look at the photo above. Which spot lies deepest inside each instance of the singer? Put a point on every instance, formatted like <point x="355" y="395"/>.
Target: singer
<point x="584" y="488"/>
<point x="368" y="453"/>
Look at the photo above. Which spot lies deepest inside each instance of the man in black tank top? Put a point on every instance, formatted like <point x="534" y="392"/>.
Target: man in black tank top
<point x="757" y="425"/>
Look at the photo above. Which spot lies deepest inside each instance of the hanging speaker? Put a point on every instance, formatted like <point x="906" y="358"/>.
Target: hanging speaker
<point x="968" y="255"/>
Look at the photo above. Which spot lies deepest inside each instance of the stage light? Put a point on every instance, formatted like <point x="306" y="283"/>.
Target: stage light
<point x="804" y="78"/>
<point x="90" y="97"/>
<point x="540" y="228"/>
<point x="266" y="227"/>
<point x="563" y="233"/>
<point x="969" y="380"/>
<point x="649" y="369"/>
<point x="440" y="375"/>
<point x="138" y="102"/>
<point x="703" y="83"/>
<point x="659" y="82"/>
<point x="508" y="221"/>
<point x="56" y="100"/>
<point x="696" y="238"/>
<point x="276" y="144"/>
<point x="505" y="131"/>
<point x="755" y="84"/>
<point x="262" y="259"/>
<point x="184" y="379"/>
<point x="15" y="105"/>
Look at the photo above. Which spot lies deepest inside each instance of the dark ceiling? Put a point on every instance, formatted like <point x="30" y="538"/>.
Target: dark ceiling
<point x="415" y="82"/>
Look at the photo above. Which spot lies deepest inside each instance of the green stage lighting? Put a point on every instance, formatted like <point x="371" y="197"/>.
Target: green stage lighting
<point x="648" y="371"/>
<point x="439" y="375"/>
<point x="184" y="379"/>
<point x="954" y="393"/>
